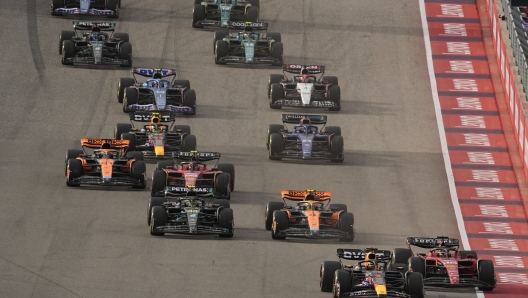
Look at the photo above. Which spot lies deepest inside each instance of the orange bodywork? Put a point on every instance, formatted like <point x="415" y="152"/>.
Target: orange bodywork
<point x="312" y="215"/>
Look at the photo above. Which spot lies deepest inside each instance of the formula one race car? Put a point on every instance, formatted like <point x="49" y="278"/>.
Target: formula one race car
<point x="372" y="277"/>
<point x="310" y="217"/>
<point x="110" y="164"/>
<point x="446" y="266"/>
<point x="248" y="46"/>
<point x="156" y="140"/>
<point x="109" y="8"/>
<point x="190" y="215"/>
<point x="176" y="179"/>
<point x="218" y="13"/>
<point x="306" y="140"/>
<point x="304" y="90"/>
<point x="156" y="93"/>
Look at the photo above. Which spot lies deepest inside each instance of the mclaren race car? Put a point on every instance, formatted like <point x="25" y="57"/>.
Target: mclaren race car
<point x="109" y="8"/>
<point x="218" y="13"/>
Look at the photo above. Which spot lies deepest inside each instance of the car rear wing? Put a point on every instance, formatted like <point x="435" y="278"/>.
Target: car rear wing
<point x="149" y="72"/>
<point x="299" y="195"/>
<point x="104" y="26"/>
<point x="98" y="143"/>
<point x="295" y="118"/>
<point x="298" y="68"/>
<point x="439" y="241"/>
<point x="248" y="26"/>
<point x="362" y="254"/>
<point x="197" y="156"/>
<point x="143" y="116"/>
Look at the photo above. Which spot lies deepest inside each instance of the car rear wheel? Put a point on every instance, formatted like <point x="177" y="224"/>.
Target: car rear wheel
<point x="336" y="130"/>
<point x="159" y="181"/>
<point x="120" y="129"/>
<point x="346" y="224"/>
<point x="417" y="265"/>
<point x="277" y="93"/>
<point x="401" y="255"/>
<point x="463" y="254"/>
<point x="339" y="207"/>
<point x="222" y="202"/>
<point x="225" y="221"/>
<point x="65" y="35"/>
<point x="184" y="83"/>
<point x="342" y="283"/>
<point x="113" y="5"/>
<point x="337" y="149"/>
<point x="74" y="171"/>
<point x="68" y="52"/>
<point x="222" y="50"/>
<point x="131" y="140"/>
<point x="123" y="83"/>
<point x="189" y="100"/>
<point x="155" y="201"/>
<point x="182" y="129"/>
<point x="252" y="14"/>
<point x="270" y="208"/>
<point x="221" y="186"/>
<point x="137" y="155"/>
<point x="158" y="219"/>
<point x="326" y="275"/>
<point x="276" y="146"/>
<point x="230" y="169"/>
<point x="334" y="95"/>
<point x="486" y="273"/>
<point x="276" y="36"/>
<point x="125" y="53"/>
<point x="198" y="15"/>
<point x="331" y="79"/>
<point x="415" y="284"/>
<point x="276" y="52"/>
<point x="188" y="143"/>
<point x="138" y="173"/>
<point x="122" y="36"/>
<point x="280" y="223"/>
<point x="163" y="164"/>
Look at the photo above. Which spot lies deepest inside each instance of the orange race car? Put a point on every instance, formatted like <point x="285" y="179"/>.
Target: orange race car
<point x="311" y="217"/>
<point x="109" y="164"/>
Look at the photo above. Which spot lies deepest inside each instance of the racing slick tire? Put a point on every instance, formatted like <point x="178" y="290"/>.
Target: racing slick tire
<point x="400" y="255"/>
<point x="464" y="253"/>
<point x="252" y="14"/>
<point x="326" y="275"/>
<point x="336" y="130"/>
<point x="71" y="153"/>
<point x="254" y="2"/>
<point x="276" y="93"/>
<point x="334" y="95"/>
<point x="125" y="52"/>
<point x="74" y="171"/>
<point x="276" y="145"/>
<point x="222" y="202"/>
<point x="414" y="284"/>
<point x="113" y="5"/>
<point x="226" y="221"/>
<point x="68" y="51"/>
<point x="219" y="34"/>
<point x="198" y="15"/>
<point x="337" y="149"/>
<point x="339" y="207"/>
<point x="331" y="79"/>
<point x="273" y="128"/>
<point x="276" y="36"/>
<point x="221" y="50"/>
<point x="346" y="224"/>
<point x="189" y="100"/>
<point x="123" y="83"/>
<point x="131" y="97"/>
<point x="184" y="83"/>
<point x="120" y="129"/>
<point x="280" y="223"/>
<point x="276" y="51"/>
<point x="155" y="201"/>
<point x="268" y="216"/>
<point x="342" y="283"/>
<point x="163" y="164"/>
<point x="486" y="273"/>
<point x="230" y="169"/>
<point x="159" y="180"/>
<point x="138" y="172"/>
<point x="131" y="138"/>
<point x="57" y="4"/>
<point x="221" y="186"/>
<point x="181" y="129"/>
<point x="274" y="78"/>
<point x="416" y="264"/>
<point x="65" y="35"/>
<point x="189" y="143"/>
<point x="122" y="36"/>
<point x="158" y="219"/>
<point x="136" y="155"/>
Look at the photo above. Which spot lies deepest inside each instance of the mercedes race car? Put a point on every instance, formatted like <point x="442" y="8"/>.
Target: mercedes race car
<point x="218" y="13"/>
<point x="309" y="217"/>
<point x="176" y="178"/>
<point x="110" y="164"/>
<point x="304" y="90"/>
<point x="96" y="46"/>
<point x="444" y="265"/>
<point x="306" y="140"/>
<point x="109" y="8"/>
<point x="373" y="277"/>
<point x="156" y="140"/>
<point x="156" y="93"/>
<point x="248" y="46"/>
<point x="190" y="215"/>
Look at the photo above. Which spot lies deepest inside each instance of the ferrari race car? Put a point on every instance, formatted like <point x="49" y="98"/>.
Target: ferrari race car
<point x="156" y="140"/>
<point x="109" y="8"/>
<point x="304" y="90"/>
<point x="96" y="46"/>
<point x="374" y="276"/>
<point x="176" y="179"/>
<point x="248" y="46"/>
<point x="306" y="140"/>
<point x="190" y="215"/>
<point x="310" y="217"/>
<point x="218" y="13"/>
<point x="444" y="265"/>
<point x="156" y="93"/>
<point x="110" y="164"/>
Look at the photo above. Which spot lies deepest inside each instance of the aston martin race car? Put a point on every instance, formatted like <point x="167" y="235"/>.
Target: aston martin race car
<point x="373" y="277"/>
<point x="173" y="178"/>
<point x="190" y="215"/>
<point x="218" y="13"/>
<point x="444" y="265"/>
<point x="304" y="90"/>
<point x="156" y="140"/>
<point x="251" y="46"/>
<point x="110" y="164"/>
<point x="92" y="45"/>
<point x="156" y="93"/>
<point x="109" y="8"/>
<point x="312" y="216"/>
<point x="306" y="140"/>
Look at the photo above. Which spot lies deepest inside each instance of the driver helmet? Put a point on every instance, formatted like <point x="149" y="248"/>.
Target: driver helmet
<point x="155" y="84"/>
<point x="369" y="265"/>
<point x="306" y="206"/>
<point x="155" y="129"/>
<point x="191" y="204"/>
<point x="441" y="253"/>
<point x="301" y="129"/>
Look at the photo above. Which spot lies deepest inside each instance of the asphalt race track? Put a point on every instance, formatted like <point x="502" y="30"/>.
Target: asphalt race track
<point x="57" y="241"/>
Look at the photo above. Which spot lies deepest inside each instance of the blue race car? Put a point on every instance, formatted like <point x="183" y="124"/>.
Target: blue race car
<point x="306" y="140"/>
<point x="109" y="8"/>
<point x="218" y="13"/>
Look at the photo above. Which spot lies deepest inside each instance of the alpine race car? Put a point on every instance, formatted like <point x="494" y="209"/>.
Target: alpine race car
<point x="110" y="164"/>
<point x="156" y="140"/>
<point x="96" y="46"/>
<point x="304" y="90"/>
<point x="306" y="140"/>
<point x="310" y="217"/>
<point x="218" y="13"/>
<point x="156" y="93"/>
<point x="248" y="46"/>
<point x="109" y="8"/>
<point x="374" y="276"/>
<point x="444" y="265"/>
<point x="176" y="179"/>
<point x="190" y="215"/>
